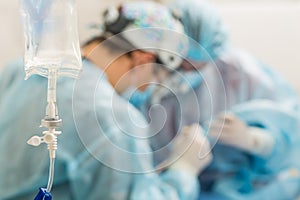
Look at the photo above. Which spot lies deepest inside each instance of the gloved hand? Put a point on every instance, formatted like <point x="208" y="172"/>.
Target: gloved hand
<point x="191" y="150"/>
<point x="228" y="129"/>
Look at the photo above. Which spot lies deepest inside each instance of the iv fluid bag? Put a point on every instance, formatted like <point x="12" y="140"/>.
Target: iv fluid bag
<point x="51" y="37"/>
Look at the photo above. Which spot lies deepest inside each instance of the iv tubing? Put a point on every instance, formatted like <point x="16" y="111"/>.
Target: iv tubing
<point x="51" y="114"/>
<point x="51" y="175"/>
<point x="51" y="95"/>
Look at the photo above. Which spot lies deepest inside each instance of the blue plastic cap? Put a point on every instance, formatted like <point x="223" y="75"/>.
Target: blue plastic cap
<point x="43" y="195"/>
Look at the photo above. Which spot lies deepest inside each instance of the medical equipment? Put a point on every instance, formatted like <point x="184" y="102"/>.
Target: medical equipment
<point x="43" y="195"/>
<point x="52" y="50"/>
<point x="51" y="37"/>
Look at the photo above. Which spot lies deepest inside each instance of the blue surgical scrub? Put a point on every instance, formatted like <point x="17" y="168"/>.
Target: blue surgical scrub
<point x="247" y="88"/>
<point x="103" y="151"/>
<point x="265" y="101"/>
<point x="232" y="81"/>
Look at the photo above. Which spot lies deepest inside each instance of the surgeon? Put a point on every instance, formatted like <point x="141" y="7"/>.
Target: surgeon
<point x="103" y="151"/>
<point x="250" y="113"/>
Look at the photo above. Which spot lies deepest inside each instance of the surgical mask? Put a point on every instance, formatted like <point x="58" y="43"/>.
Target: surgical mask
<point x="136" y="97"/>
<point x="191" y="80"/>
<point x="178" y="84"/>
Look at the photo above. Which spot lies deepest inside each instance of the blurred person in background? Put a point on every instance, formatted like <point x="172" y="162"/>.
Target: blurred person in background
<point x="250" y="113"/>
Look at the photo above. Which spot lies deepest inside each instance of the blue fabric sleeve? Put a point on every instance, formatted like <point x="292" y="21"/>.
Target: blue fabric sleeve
<point x="118" y="162"/>
<point x="171" y="184"/>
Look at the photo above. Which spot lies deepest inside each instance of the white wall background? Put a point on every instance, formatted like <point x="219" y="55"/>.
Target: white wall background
<point x="268" y="29"/>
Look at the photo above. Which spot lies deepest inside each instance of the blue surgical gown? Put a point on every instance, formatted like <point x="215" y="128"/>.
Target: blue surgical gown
<point x="238" y="83"/>
<point x="232" y="81"/>
<point x="103" y="151"/>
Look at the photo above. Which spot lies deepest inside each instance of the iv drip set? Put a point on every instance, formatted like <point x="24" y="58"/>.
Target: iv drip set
<point x="52" y="50"/>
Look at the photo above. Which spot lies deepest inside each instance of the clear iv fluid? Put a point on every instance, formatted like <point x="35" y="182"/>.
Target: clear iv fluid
<point x="51" y="37"/>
